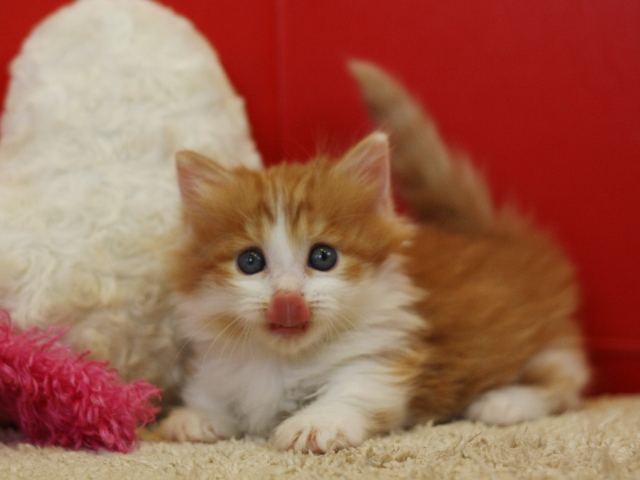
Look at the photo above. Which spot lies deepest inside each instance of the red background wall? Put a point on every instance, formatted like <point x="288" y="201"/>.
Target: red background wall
<point x="545" y="95"/>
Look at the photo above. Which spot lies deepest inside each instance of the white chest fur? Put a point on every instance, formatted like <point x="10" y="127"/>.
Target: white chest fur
<point x="255" y="388"/>
<point x="246" y="387"/>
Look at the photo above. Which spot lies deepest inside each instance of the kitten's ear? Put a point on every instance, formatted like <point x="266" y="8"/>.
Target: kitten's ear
<point x="369" y="160"/>
<point x="195" y="171"/>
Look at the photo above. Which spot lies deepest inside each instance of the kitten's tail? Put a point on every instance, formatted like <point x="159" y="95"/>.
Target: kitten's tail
<point x="435" y="184"/>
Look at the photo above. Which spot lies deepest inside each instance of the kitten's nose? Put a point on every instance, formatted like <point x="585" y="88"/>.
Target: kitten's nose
<point x="288" y="309"/>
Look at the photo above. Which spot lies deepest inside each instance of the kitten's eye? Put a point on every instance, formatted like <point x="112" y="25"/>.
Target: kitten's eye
<point x="323" y="258"/>
<point x="251" y="261"/>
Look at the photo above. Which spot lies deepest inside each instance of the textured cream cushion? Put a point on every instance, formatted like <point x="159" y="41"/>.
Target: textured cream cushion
<point x="102" y="95"/>
<point x="599" y="442"/>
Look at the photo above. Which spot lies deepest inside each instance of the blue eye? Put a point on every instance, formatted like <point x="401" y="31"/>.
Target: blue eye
<point x="251" y="261"/>
<point x="323" y="258"/>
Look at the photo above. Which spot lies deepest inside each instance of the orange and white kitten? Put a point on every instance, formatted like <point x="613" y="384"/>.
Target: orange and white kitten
<point x="321" y="317"/>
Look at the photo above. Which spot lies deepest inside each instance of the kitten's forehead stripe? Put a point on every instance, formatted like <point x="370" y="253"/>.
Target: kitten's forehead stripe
<point x="286" y="268"/>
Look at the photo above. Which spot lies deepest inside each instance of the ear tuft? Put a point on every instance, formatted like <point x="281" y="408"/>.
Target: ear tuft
<point x="195" y="171"/>
<point x="369" y="159"/>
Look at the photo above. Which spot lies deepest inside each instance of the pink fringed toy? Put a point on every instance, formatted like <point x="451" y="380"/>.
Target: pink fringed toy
<point x="57" y="397"/>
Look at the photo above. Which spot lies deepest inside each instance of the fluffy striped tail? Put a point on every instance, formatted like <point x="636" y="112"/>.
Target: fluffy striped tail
<point x="435" y="184"/>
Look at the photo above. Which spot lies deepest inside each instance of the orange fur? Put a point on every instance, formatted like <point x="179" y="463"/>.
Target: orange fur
<point x="493" y="303"/>
<point x="493" y="300"/>
<point x="500" y="292"/>
<point x="239" y="209"/>
<point x="472" y="310"/>
<point x="228" y="217"/>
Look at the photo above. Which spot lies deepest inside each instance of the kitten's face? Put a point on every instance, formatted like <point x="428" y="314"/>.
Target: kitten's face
<point x="285" y="257"/>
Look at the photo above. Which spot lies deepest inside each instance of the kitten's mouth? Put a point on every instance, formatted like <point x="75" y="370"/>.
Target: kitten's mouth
<point x="287" y="331"/>
<point x="288" y="314"/>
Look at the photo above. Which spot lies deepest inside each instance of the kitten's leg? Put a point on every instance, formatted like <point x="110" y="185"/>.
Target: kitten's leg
<point x="187" y="425"/>
<point x="197" y="425"/>
<point x="551" y="383"/>
<point x="360" y="400"/>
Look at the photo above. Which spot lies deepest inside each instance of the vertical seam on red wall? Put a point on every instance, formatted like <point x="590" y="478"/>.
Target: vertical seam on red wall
<point x="280" y="73"/>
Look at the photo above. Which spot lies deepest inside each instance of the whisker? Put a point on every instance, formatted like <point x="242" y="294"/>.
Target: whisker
<point x="195" y="333"/>
<point x="234" y="324"/>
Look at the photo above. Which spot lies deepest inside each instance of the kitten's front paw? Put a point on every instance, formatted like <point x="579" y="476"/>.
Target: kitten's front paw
<point x="185" y="425"/>
<point x="508" y="405"/>
<point x="319" y="432"/>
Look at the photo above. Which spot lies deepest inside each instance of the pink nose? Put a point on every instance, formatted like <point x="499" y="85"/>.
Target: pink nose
<point x="288" y="309"/>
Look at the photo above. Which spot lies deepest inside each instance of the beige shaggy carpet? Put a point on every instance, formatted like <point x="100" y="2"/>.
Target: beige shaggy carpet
<point x="602" y="441"/>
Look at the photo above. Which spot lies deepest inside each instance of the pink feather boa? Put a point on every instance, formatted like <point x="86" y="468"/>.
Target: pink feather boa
<point x="57" y="397"/>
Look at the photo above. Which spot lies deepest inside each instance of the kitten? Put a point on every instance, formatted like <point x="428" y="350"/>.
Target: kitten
<point x="319" y="315"/>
